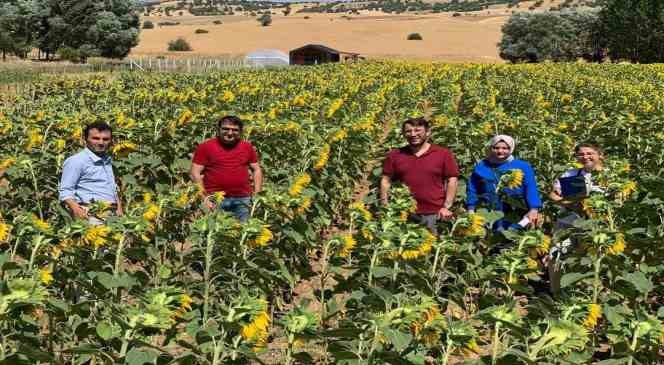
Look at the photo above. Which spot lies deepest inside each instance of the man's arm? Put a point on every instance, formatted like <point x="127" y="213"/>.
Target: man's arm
<point x="450" y="191"/>
<point x="71" y="173"/>
<point x="197" y="173"/>
<point x="450" y="194"/>
<point x="258" y="176"/>
<point x="385" y="183"/>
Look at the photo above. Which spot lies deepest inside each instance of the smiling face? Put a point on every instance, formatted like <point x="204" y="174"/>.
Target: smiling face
<point x="416" y="135"/>
<point x="98" y="141"/>
<point x="500" y="151"/>
<point x="229" y="133"/>
<point x="590" y="158"/>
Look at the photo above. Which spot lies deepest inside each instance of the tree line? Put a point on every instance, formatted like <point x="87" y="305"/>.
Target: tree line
<point x="73" y="29"/>
<point x="630" y="30"/>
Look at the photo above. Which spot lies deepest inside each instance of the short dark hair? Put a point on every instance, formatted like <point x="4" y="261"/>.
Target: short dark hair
<point x="592" y="145"/>
<point x="100" y="126"/>
<point x="416" y="122"/>
<point x="230" y="119"/>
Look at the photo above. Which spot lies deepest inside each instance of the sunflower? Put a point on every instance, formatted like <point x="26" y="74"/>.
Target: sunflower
<point x="362" y="209"/>
<point x="348" y="245"/>
<point x="7" y="163"/>
<point x="304" y="206"/>
<point x="257" y="330"/>
<point x="322" y="158"/>
<point x="45" y="276"/>
<point x="123" y="149"/>
<point x="618" y="245"/>
<point x="334" y="107"/>
<point x="594" y="314"/>
<point x="474" y="226"/>
<point x="152" y="212"/>
<point x="300" y="183"/>
<point x="513" y="178"/>
<point x="5" y="229"/>
<point x="96" y="236"/>
<point x="40" y="224"/>
<point x="263" y="238"/>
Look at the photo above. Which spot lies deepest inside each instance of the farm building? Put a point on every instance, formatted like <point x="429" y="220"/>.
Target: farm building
<point x="313" y="54"/>
<point x="267" y="57"/>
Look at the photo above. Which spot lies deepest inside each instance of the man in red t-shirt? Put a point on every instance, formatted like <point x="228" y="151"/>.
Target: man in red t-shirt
<point x="429" y="171"/>
<point x="223" y="164"/>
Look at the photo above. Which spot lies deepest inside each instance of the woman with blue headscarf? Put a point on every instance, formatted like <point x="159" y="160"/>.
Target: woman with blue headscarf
<point x="503" y="183"/>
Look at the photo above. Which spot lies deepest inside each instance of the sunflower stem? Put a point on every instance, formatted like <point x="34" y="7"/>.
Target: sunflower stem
<point x="495" y="343"/>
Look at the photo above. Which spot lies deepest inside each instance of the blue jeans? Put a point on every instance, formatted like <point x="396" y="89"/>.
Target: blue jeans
<point x="239" y="207"/>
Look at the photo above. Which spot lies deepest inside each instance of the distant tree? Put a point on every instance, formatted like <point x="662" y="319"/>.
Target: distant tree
<point x="19" y="21"/>
<point x="148" y="24"/>
<point x="287" y="10"/>
<point x="265" y="20"/>
<point x="557" y="36"/>
<point x="414" y="37"/>
<point x="634" y="29"/>
<point x="95" y="28"/>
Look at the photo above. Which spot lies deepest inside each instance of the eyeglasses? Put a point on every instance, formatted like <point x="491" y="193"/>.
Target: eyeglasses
<point x="226" y="129"/>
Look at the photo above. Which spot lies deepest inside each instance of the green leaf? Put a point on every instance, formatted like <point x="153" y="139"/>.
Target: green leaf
<point x="614" y="314"/>
<point x="138" y="357"/>
<point x="107" y="331"/>
<point x="381" y="271"/>
<point x="399" y="339"/>
<point x="640" y="281"/>
<point x="35" y="354"/>
<point x="573" y="277"/>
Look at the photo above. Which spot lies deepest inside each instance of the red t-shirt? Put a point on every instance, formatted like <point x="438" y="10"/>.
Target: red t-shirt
<point x="226" y="169"/>
<point x="423" y="175"/>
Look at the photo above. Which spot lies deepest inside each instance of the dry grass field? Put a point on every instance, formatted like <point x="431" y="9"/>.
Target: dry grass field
<point x="468" y="38"/>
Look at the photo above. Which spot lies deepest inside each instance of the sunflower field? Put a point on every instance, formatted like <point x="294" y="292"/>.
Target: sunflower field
<point x="321" y="273"/>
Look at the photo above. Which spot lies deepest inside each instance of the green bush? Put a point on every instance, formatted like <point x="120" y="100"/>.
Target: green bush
<point x="201" y="31"/>
<point x="265" y="20"/>
<point x="148" y="24"/>
<point x="179" y="45"/>
<point x="69" y="54"/>
<point x="414" y="37"/>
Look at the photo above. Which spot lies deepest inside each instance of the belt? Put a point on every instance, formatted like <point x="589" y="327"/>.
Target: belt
<point x="112" y="205"/>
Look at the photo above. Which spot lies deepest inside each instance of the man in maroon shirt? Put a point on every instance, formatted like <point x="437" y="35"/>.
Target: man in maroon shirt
<point x="223" y="164"/>
<point x="429" y="171"/>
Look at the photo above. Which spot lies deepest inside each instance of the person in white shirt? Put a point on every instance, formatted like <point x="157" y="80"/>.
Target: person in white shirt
<point x="568" y="192"/>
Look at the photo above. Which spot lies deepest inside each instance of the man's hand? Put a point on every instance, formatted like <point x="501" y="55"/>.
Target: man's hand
<point x="445" y="214"/>
<point x="79" y="212"/>
<point x="209" y="203"/>
<point x="535" y="218"/>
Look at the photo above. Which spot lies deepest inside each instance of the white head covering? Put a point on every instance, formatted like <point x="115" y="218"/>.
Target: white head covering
<point x="509" y="141"/>
<point x="502" y="138"/>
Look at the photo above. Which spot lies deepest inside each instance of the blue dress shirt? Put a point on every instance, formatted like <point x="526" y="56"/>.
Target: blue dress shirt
<point x="86" y="177"/>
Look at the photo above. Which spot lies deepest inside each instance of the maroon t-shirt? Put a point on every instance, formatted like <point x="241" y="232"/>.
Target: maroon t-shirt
<point x="226" y="169"/>
<point x="423" y="175"/>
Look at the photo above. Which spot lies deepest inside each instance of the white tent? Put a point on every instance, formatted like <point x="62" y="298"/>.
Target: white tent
<point x="267" y="57"/>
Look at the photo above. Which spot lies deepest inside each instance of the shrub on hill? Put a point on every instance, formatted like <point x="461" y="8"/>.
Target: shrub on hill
<point x="148" y="24"/>
<point x="179" y="45"/>
<point x="414" y="37"/>
<point x="201" y="31"/>
<point x="265" y="20"/>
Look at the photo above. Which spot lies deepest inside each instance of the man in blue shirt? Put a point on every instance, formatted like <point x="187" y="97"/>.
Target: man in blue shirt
<point x="87" y="177"/>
